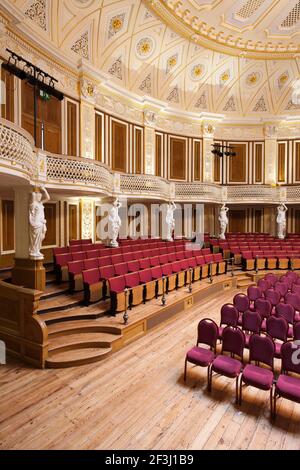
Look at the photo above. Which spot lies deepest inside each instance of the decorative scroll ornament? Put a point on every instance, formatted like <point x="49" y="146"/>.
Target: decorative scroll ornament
<point x="270" y="131"/>
<point x="150" y="118"/>
<point x="208" y="129"/>
<point x="88" y="89"/>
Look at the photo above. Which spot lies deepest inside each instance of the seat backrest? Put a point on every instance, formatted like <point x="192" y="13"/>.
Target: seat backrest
<point x="145" y="276"/>
<point x="90" y="263"/>
<point x="64" y="259"/>
<point x="207" y="332"/>
<point x="91" y="276"/>
<point x="296" y="289"/>
<point x="121" y="269"/>
<point x="156" y="272"/>
<point x="254" y="293"/>
<point x="171" y="257"/>
<point x="293" y="299"/>
<point x="290" y="355"/>
<point x="251" y="321"/>
<point x="277" y="327"/>
<point x="233" y="341"/>
<point x="241" y="302"/>
<point x="192" y="262"/>
<point x="200" y="260"/>
<point x="132" y="279"/>
<point x="263" y="307"/>
<point x="92" y="254"/>
<point x="297" y="331"/>
<point x="273" y="296"/>
<point x="106" y="272"/>
<point x="263" y="284"/>
<point x="163" y="259"/>
<point x="75" y="267"/>
<point x="80" y="256"/>
<point x="272" y="278"/>
<point x="144" y="263"/>
<point x="229" y="315"/>
<point x="281" y="287"/>
<point x="286" y="311"/>
<point x="117" y="284"/>
<point x="167" y="269"/>
<point x="262" y="349"/>
<point x="133" y="266"/>
<point x="105" y="261"/>
<point x="116" y="259"/>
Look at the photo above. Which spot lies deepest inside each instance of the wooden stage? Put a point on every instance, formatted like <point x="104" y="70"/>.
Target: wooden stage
<point x="136" y="398"/>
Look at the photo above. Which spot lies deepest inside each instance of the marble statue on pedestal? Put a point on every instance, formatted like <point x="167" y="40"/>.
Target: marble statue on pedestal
<point x="223" y="219"/>
<point x="37" y="222"/>
<point x="281" y="221"/>
<point x="114" y="223"/>
<point x="170" y="221"/>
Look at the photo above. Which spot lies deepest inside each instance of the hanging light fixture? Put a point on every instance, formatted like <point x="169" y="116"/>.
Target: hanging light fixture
<point x="219" y="150"/>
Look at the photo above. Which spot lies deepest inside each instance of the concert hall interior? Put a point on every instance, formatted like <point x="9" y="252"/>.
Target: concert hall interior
<point x="150" y="224"/>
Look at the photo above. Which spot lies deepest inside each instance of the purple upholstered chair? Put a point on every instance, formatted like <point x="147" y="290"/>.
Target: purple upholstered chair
<point x="277" y="328"/>
<point x="233" y="343"/>
<point x="296" y="289"/>
<point x="254" y="293"/>
<point x="272" y="278"/>
<point x="297" y="331"/>
<point x="242" y="303"/>
<point x="229" y="317"/>
<point x="292" y="275"/>
<point x="264" y="308"/>
<point x="287" y="280"/>
<point x="287" y="386"/>
<point x="294" y="300"/>
<point x="263" y="284"/>
<point x="261" y="350"/>
<point x="208" y="335"/>
<point x="273" y="296"/>
<point x="251" y="324"/>
<point x="286" y="311"/>
<point x="282" y="288"/>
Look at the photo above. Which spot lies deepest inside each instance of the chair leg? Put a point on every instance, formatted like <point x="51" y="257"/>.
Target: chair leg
<point x="185" y="366"/>
<point x="209" y="378"/>
<point x="241" y="392"/>
<point x="237" y="390"/>
<point x="271" y="401"/>
<point x="274" y="406"/>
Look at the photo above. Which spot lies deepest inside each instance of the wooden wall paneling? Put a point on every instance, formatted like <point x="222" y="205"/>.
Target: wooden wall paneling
<point x="258" y="220"/>
<point x="217" y="165"/>
<point x="72" y="129"/>
<point x="107" y="146"/>
<point x="238" y="165"/>
<point x="178" y="166"/>
<point x="73" y="233"/>
<point x="237" y="220"/>
<point x="296" y="159"/>
<point x="258" y="163"/>
<point x="99" y="136"/>
<point x="9" y="88"/>
<point x="282" y="162"/>
<point x="51" y="215"/>
<point x="197" y="154"/>
<point x="138" y="150"/>
<point x="297" y="220"/>
<point x="119" y="145"/>
<point x="158" y="153"/>
<point x="7" y="226"/>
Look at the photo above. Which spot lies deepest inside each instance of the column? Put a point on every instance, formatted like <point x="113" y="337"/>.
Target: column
<point x="208" y="161"/>
<point x="150" y="120"/>
<point x="26" y="272"/>
<point x="87" y="113"/>
<point x="271" y="153"/>
<point x="87" y="218"/>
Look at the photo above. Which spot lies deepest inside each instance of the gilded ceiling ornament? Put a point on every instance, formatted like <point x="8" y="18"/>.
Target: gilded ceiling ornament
<point x="252" y="79"/>
<point x="146" y="85"/>
<point x="37" y="13"/>
<point x="282" y="80"/>
<point x="196" y="72"/>
<point x="230" y="105"/>
<point x="116" y="25"/>
<point x="116" y="68"/>
<point x="145" y="47"/>
<point x="81" y="46"/>
<point x="88" y="89"/>
<point x="171" y="63"/>
<point x="260" y="105"/>
<point x="202" y="102"/>
<point x="150" y="118"/>
<point x="174" y="95"/>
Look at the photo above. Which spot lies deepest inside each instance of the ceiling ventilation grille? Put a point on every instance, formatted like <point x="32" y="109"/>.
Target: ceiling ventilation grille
<point x="248" y="9"/>
<point x="292" y="18"/>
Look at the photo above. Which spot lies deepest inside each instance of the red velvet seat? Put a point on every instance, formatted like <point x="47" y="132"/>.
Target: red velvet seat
<point x="154" y="261"/>
<point x="116" y="259"/>
<point x="117" y="287"/>
<point x="149" y="284"/>
<point x="90" y="263"/>
<point x="144" y="263"/>
<point x="106" y="273"/>
<point x="133" y="266"/>
<point x="92" y="254"/>
<point x="93" y="285"/>
<point x="105" y="261"/>
<point x="61" y="267"/>
<point x="132" y="282"/>
<point x="121" y="269"/>
<point x="157" y="275"/>
<point x="75" y="269"/>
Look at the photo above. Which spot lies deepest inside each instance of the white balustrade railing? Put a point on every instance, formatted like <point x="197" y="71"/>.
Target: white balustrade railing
<point x="81" y="171"/>
<point x="17" y="150"/>
<point x="16" y="147"/>
<point x="147" y="185"/>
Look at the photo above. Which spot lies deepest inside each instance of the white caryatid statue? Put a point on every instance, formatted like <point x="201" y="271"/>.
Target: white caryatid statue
<point x="281" y="221"/>
<point x="170" y="221"/>
<point x="223" y="219"/>
<point x="37" y="222"/>
<point x="114" y="223"/>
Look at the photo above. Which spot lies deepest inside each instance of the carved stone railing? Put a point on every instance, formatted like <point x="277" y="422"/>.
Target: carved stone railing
<point x="16" y="149"/>
<point x="253" y="193"/>
<point x="78" y="171"/>
<point x="145" y="185"/>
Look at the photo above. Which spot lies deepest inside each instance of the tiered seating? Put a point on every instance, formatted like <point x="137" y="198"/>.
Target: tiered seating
<point x="268" y="325"/>
<point x="102" y="272"/>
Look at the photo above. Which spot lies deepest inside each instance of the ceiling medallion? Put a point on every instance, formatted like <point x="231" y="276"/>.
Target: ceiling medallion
<point x="196" y="72"/>
<point x="144" y="47"/>
<point x="252" y="79"/>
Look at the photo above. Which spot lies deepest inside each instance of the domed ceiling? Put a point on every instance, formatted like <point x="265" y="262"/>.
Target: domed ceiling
<point x="149" y="48"/>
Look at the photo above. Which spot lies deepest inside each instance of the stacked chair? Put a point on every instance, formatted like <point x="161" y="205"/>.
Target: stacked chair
<point x="266" y="322"/>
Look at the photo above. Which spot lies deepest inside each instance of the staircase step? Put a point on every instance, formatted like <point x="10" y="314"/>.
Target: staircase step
<point x="78" y="311"/>
<point x="76" y="357"/>
<point x="59" y="303"/>
<point x="77" y="326"/>
<point x="84" y="339"/>
<point x="245" y="283"/>
<point x="54" y="290"/>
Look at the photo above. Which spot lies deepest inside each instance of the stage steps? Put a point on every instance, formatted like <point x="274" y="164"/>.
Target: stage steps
<point x="244" y="280"/>
<point x="82" y="354"/>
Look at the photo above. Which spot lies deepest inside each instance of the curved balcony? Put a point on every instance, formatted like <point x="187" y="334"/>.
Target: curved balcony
<point x="200" y="192"/>
<point x="16" y="151"/>
<point x="145" y="186"/>
<point x="85" y="174"/>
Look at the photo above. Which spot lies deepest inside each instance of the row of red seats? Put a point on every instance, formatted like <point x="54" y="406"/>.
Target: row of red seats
<point x="270" y="259"/>
<point x="109" y="280"/>
<point x="135" y="251"/>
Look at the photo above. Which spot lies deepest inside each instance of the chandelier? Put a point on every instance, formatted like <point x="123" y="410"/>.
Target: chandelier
<point x="296" y="93"/>
<point x="221" y="150"/>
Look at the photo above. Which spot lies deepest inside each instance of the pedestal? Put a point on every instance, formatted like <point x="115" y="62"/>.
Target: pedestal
<point x="29" y="273"/>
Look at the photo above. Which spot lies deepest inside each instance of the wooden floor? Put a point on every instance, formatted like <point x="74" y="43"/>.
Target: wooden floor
<point x="136" y="399"/>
